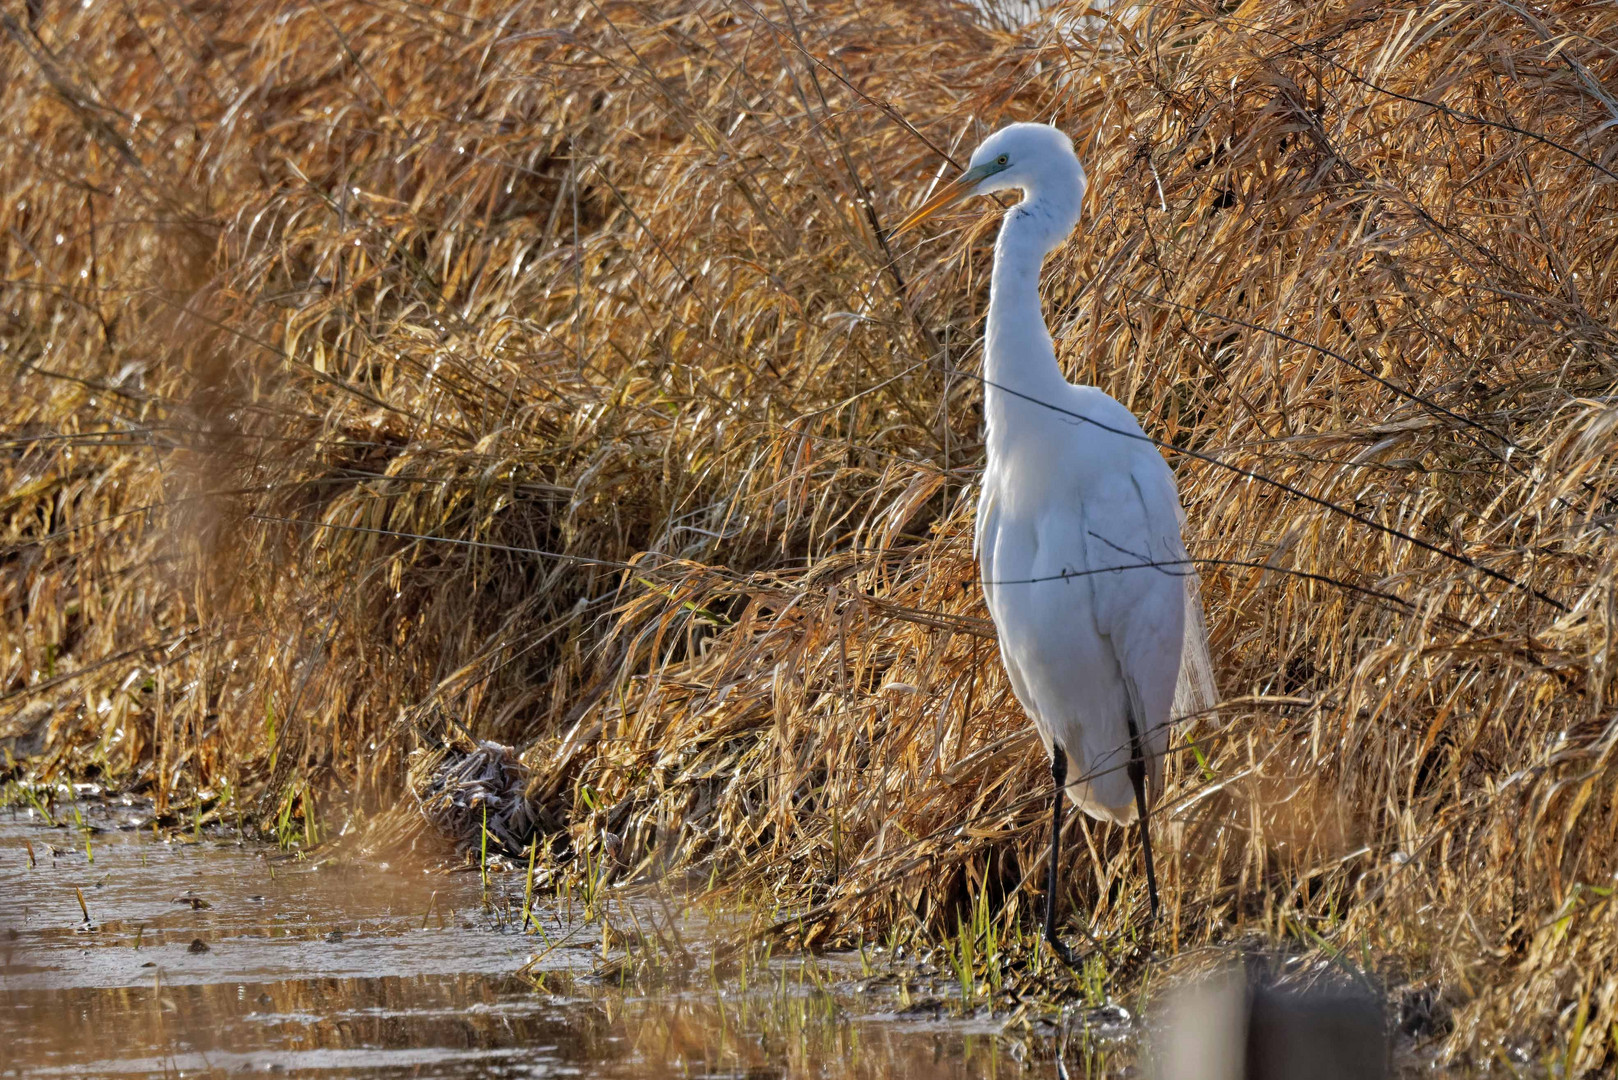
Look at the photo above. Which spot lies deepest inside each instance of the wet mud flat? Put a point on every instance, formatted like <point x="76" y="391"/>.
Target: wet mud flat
<point x="128" y="954"/>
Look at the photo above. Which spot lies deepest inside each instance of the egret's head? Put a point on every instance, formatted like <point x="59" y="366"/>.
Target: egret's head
<point x="1036" y="159"/>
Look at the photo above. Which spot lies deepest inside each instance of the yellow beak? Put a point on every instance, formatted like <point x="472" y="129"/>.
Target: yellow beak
<point x="948" y="195"/>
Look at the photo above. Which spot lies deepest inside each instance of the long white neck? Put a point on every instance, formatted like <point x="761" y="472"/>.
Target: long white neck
<point x="1019" y="361"/>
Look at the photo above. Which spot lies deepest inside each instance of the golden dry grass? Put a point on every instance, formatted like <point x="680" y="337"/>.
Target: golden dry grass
<point x="379" y="375"/>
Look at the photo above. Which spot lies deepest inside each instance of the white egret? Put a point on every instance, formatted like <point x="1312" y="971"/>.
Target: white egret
<point x="1075" y="499"/>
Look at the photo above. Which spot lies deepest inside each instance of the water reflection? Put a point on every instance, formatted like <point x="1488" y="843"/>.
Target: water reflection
<point x="383" y="972"/>
<point x="457" y="1026"/>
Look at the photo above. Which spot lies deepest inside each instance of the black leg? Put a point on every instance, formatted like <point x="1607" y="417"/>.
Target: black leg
<point x="1059" y="778"/>
<point x="1137" y="777"/>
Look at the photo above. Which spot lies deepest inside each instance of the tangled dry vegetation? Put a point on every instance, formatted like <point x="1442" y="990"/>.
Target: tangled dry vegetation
<point x="380" y="377"/>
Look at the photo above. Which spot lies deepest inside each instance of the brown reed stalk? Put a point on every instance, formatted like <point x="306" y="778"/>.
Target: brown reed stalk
<point x="381" y="375"/>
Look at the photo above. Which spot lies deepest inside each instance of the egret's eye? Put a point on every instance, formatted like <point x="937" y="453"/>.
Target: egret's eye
<point x="1001" y="160"/>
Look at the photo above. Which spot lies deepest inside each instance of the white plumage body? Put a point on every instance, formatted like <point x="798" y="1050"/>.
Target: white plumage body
<point x="1075" y="498"/>
<point x="1088" y="636"/>
<point x="1094" y="602"/>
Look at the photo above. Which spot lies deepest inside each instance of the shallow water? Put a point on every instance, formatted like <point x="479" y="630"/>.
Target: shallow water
<point x="211" y="957"/>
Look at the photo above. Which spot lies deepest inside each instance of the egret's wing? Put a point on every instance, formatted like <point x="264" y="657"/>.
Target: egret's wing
<point x="1194" y="692"/>
<point x="1136" y="568"/>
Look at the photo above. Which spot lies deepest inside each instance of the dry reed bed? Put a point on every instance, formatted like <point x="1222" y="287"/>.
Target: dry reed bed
<point x="354" y="351"/>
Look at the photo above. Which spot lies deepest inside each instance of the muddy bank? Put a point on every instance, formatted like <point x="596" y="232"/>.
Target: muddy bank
<point x="205" y="956"/>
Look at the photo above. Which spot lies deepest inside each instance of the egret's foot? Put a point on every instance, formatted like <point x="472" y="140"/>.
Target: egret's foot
<point x="1063" y="953"/>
